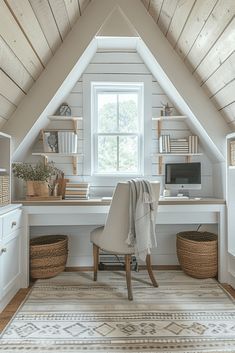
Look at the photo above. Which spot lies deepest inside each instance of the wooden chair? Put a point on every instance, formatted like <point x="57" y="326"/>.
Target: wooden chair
<point x="112" y="237"/>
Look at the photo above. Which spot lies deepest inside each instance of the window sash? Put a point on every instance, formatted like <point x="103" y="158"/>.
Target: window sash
<point x="117" y="170"/>
<point x="135" y="89"/>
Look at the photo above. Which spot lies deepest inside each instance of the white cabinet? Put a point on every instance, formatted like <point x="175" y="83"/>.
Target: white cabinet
<point x="231" y="192"/>
<point x="12" y="252"/>
<point x="13" y="236"/>
<point x="230" y="200"/>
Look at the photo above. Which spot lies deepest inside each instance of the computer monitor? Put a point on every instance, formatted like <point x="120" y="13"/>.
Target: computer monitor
<point x="183" y="176"/>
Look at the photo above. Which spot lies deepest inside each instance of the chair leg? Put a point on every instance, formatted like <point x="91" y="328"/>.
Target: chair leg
<point x="128" y="276"/>
<point x="96" y="260"/>
<point x="150" y="271"/>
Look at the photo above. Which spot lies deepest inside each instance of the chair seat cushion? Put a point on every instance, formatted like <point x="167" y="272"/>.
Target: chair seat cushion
<point x="111" y="247"/>
<point x="96" y="235"/>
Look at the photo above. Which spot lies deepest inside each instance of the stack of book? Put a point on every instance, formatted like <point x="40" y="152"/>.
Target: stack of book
<point x="180" y="145"/>
<point x="77" y="191"/>
<point x="164" y="144"/>
<point x="193" y="143"/>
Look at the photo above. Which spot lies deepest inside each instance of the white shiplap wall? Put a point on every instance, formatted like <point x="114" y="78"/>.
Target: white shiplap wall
<point x="116" y="63"/>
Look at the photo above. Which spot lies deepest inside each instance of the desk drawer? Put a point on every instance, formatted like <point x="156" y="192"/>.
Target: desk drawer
<point x="11" y="222"/>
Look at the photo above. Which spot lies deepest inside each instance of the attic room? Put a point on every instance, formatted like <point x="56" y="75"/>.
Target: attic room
<point x="117" y="176"/>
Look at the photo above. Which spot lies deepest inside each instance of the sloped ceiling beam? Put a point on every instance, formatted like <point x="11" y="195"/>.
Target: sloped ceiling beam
<point x="75" y="53"/>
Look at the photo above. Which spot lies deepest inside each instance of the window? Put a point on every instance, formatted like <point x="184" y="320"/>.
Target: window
<point x="117" y="128"/>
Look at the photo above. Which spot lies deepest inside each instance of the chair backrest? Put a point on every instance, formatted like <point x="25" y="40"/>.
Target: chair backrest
<point x="117" y="224"/>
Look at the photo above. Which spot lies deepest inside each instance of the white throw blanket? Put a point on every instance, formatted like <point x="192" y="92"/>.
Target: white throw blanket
<point x="142" y="217"/>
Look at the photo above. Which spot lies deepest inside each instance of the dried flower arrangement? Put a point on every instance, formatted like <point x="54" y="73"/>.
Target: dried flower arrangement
<point x="41" y="179"/>
<point x="39" y="172"/>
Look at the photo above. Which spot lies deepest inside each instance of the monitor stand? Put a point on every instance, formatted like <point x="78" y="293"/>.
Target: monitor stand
<point x="183" y="192"/>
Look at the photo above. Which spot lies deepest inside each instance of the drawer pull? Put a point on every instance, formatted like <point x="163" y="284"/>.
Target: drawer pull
<point x="4" y="250"/>
<point x="13" y="224"/>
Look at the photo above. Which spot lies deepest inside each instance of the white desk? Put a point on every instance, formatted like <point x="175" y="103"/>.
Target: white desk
<point x="94" y="212"/>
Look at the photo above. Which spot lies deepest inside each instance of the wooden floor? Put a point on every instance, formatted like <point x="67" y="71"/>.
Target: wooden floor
<point x="12" y="307"/>
<point x="18" y="299"/>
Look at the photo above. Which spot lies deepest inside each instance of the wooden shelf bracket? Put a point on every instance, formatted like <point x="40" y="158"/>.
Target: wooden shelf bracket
<point x="75" y="163"/>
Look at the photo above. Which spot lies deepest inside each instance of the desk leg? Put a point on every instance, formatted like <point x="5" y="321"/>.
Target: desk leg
<point x="96" y="260"/>
<point x="222" y="247"/>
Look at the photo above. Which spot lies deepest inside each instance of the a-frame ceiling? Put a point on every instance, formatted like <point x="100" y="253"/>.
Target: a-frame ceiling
<point x="202" y="32"/>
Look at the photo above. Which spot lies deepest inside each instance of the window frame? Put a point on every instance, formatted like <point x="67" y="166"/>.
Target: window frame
<point x="87" y="79"/>
<point x="116" y="88"/>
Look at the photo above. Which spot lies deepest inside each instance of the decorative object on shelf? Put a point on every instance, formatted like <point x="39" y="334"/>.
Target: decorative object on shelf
<point x="48" y="255"/>
<point x="37" y="188"/>
<point x="167" y="110"/>
<point x="67" y="142"/>
<point x="40" y="179"/>
<point x="193" y="143"/>
<point x="232" y="153"/>
<point x="164" y="143"/>
<point x="198" y="253"/>
<point x="64" y="110"/>
<point x="50" y="141"/>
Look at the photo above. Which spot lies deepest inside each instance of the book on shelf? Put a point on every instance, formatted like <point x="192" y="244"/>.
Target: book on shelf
<point x="67" y="142"/>
<point x="77" y="185"/>
<point x="77" y="191"/>
<point x="180" y="145"/>
<point x="193" y="143"/>
<point x="164" y="143"/>
<point x="76" y="197"/>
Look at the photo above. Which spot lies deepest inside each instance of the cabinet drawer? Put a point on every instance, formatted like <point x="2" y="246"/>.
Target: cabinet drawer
<point x="11" y="222"/>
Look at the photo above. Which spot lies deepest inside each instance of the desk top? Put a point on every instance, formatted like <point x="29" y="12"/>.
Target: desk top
<point x="100" y="202"/>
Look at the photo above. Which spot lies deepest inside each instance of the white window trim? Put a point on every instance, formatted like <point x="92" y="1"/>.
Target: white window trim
<point x="117" y="87"/>
<point x="147" y="120"/>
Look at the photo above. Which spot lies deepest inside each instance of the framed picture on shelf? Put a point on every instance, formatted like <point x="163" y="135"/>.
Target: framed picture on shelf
<point x="50" y="141"/>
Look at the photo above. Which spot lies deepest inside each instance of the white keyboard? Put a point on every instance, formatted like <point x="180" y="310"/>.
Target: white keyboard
<point x="174" y="198"/>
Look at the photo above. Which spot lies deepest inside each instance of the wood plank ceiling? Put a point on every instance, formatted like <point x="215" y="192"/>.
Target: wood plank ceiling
<point x="202" y="32"/>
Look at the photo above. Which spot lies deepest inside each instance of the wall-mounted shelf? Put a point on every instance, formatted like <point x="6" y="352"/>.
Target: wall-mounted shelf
<point x="188" y="157"/>
<point x="170" y="117"/>
<point x="74" y="157"/>
<point x="160" y="119"/>
<point x="179" y="143"/>
<point x="74" y="119"/>
<point x="68" y="142"/>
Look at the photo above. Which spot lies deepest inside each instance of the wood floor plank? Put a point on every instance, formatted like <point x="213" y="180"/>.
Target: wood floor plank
<point x="7" y="314"/>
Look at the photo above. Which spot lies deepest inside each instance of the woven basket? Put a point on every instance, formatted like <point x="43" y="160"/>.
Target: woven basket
<point x="198" y="253"/>
<point x="48" y="255"/>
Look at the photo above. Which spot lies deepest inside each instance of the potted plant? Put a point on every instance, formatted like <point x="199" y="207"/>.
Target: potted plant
<point x="40" y="178"/>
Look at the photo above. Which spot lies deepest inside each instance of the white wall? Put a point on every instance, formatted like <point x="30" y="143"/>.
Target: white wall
<point x="116" y="63"/>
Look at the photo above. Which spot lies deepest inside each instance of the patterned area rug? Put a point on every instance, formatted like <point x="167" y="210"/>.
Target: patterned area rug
<point x="71" y="313"/>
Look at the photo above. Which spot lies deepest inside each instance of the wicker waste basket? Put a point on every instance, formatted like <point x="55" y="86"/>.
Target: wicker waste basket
<point x="48" y="255"/>
<point x="197" y="253"/>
